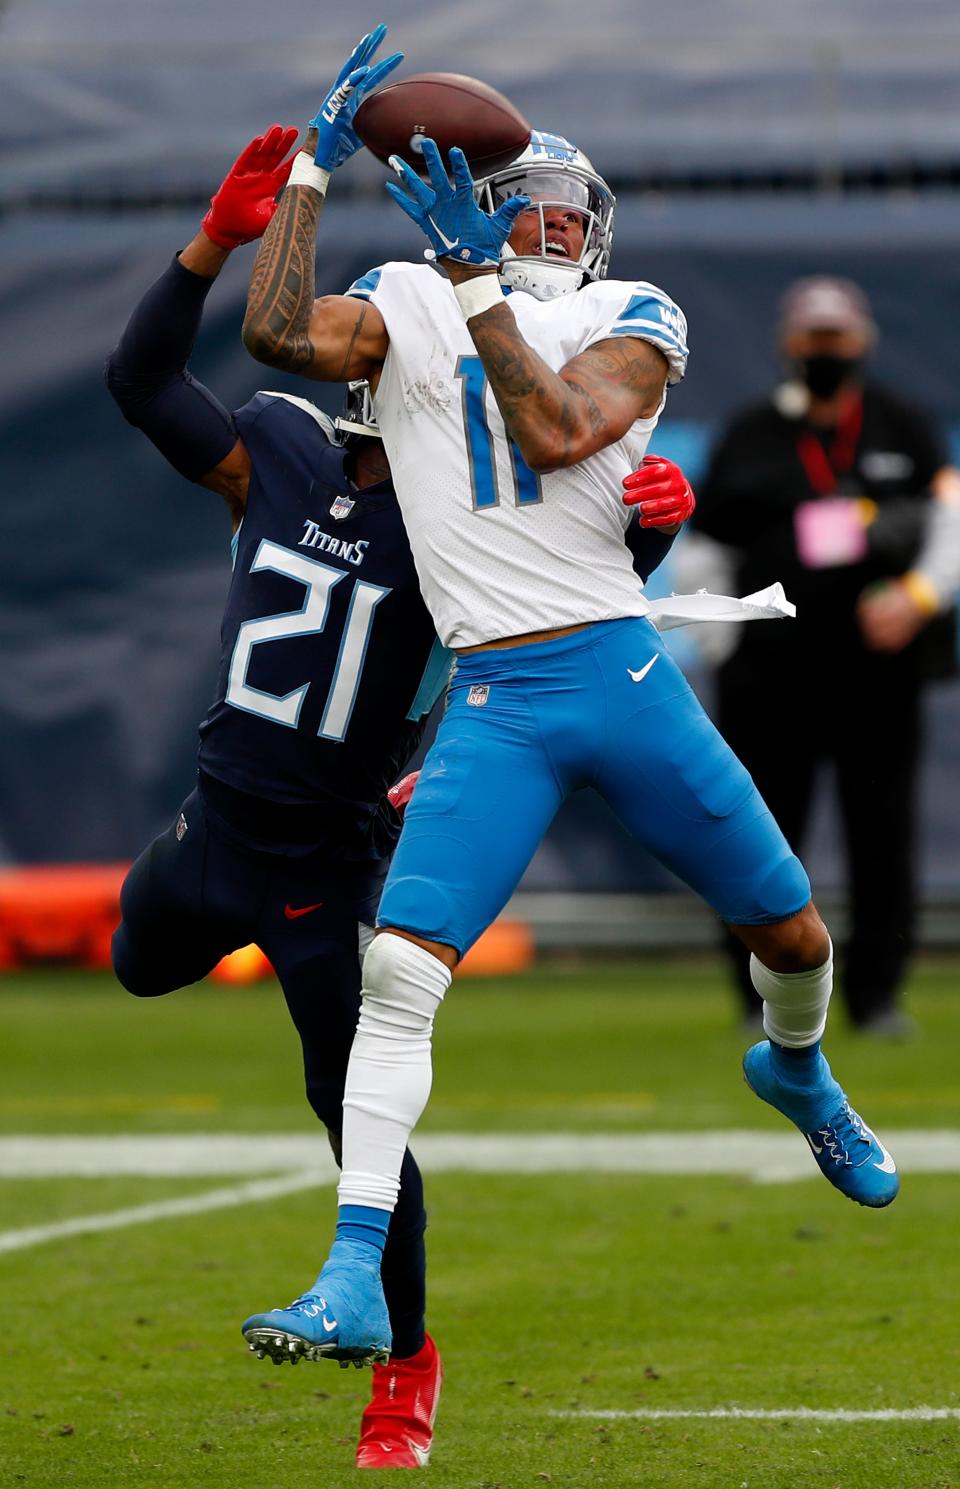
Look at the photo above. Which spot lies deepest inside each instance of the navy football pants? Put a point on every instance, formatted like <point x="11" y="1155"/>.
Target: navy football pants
<point x="188" y="901"/>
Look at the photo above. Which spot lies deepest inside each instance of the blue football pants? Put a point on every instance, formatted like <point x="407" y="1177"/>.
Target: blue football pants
<point x="525" y="726"/>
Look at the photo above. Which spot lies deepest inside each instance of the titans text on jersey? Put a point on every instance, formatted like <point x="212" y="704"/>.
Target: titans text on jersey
<point x="315" y="537"/>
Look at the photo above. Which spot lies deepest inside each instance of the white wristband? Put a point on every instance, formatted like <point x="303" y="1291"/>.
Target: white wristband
<point x="305" y="172"/>
<point x="478" y="294"/>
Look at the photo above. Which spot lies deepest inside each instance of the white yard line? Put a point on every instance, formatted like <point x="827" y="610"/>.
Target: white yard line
<point x="765" y="1157"/>
<point x="193" y="1204"/>
<point x="165" y="1156"/>
<point x="301" y="1161"/>
<point x="761" y="1414"/>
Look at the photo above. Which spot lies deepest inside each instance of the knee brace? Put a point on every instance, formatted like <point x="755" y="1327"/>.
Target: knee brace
<point x="390" y="1073"/>
<point x="365" y="938"/>
<point x="403" y="986"/>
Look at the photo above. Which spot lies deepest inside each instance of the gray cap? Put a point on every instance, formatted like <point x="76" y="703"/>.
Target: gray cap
<point x="822" y="304"/>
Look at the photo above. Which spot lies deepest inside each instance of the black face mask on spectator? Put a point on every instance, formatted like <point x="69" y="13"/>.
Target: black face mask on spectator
<point x="825" y="374"/>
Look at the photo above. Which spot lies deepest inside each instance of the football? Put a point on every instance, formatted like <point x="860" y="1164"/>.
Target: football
<point x="446" y="107"/>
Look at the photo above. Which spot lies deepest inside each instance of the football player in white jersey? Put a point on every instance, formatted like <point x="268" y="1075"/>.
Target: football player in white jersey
<point x="515" y="388"/>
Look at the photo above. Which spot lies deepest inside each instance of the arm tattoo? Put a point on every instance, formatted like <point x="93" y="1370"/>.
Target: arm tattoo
<point x="598" y="419"/>
<point x="559" y="418"/>
<point x="348" y="354"/>
<point x="502" y="348"/>
<point x="630" y="363"/>
<point x="526" y="389"/>
<point x="280" y="298"/>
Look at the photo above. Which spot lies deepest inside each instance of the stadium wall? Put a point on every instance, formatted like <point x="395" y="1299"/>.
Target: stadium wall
<point x="115" y="569"/>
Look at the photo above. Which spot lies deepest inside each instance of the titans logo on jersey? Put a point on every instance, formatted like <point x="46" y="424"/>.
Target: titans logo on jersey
<point x="329" y="662"/>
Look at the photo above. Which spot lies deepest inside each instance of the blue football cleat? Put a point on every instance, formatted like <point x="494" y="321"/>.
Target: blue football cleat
<point x="846" y="1151"/>
<point x="342" y="1317"/>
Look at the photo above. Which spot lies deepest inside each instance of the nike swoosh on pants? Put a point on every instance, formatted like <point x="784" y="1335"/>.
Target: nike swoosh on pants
<point x="639" y="676"/>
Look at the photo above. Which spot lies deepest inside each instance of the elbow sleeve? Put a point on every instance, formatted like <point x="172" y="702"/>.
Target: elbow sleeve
<point x="147" y="376"/>
<point x="189" y="426"/>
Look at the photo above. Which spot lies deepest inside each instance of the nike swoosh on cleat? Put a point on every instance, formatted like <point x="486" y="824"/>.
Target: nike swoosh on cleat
<point x="422" y="1455"/>
<point x="329" y="1326"/>
<point x="639" y="676"/>
<point x="887" y="1166"/>
<point x="292" y="914"/>
<point x="812" y="1143"/>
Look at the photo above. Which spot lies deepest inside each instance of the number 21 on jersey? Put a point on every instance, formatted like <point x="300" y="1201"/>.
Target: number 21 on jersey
<point x="318" y="580"/>
<point x="480" y="447"/>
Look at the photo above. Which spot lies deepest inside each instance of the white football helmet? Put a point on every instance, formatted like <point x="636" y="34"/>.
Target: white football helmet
<point x="553" y="172"/>
<point x="357" y="414"/>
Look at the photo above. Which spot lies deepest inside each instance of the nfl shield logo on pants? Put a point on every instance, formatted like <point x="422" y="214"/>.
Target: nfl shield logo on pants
<point x="478" y="694"/>
<point x="342" y="507"/>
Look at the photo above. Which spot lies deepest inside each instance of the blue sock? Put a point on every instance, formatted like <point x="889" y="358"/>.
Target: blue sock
<point x="801" y="1067"/>
<point x="363" y="1223"/>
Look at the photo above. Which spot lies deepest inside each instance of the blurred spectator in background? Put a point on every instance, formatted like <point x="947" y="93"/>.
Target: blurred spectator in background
<point x="842" y="490"/>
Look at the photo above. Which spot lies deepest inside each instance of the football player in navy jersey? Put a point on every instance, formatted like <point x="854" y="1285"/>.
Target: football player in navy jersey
<point x="329" y="668"/>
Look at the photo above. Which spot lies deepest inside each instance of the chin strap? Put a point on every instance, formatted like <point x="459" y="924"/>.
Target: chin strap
<point x="542" y="280"/>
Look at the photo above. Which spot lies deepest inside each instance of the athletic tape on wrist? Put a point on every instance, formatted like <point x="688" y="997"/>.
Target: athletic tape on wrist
<point x="306" y="172"/>
<point x="478" y="294"/>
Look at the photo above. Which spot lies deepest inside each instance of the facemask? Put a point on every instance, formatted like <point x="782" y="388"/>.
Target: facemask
<point x="825" y="374"/>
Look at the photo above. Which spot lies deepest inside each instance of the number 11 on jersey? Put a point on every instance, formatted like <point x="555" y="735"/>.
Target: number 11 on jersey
<point x="480" y="446"/>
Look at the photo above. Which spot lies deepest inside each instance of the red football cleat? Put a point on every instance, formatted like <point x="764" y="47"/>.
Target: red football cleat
<point x="397" y="1426"/>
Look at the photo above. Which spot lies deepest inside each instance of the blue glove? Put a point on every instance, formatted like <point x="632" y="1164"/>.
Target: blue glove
<point x="449" y="215"/>
<point x="337" y="139"/>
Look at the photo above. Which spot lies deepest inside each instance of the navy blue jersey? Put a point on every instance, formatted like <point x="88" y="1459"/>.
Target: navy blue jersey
<point x="329" y="659"/>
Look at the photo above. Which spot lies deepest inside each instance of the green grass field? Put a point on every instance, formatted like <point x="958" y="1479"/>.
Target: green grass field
<point x="551" y="1295"/>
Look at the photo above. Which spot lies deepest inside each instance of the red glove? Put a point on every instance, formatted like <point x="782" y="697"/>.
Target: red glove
<point x="246" y="201"/>
<point x="399" y="795"/>
<point x="661" y="491"/>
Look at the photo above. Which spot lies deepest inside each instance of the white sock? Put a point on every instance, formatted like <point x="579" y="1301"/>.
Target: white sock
<point x="794" y="1003"/>
<point x="390" y="1072"/>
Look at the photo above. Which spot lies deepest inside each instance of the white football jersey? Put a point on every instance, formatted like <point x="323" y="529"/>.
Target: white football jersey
<point x="501" y="551"/>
